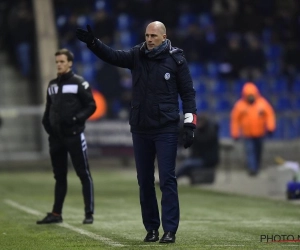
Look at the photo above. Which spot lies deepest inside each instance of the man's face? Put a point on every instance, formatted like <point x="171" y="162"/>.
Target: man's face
<point x="154" y="36"/>
<point x="62" y="64"/>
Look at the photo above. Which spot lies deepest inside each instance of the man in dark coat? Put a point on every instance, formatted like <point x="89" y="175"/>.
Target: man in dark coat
<point x="205" y="152"/>
<point x="159" y="73"/>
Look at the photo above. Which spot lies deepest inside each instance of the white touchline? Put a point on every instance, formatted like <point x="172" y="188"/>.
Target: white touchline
<point x="65" y="225"/>
<point x="226" y="245"/>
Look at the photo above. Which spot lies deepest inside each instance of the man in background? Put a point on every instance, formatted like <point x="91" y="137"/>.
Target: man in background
<point x="69" y="104"/>
<point x="252" y="118"/>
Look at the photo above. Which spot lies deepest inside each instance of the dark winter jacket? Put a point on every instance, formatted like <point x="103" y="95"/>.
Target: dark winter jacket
<point x="156" y="83"/>
<point x="206" y="144"/>
<point x="69" y="104"/>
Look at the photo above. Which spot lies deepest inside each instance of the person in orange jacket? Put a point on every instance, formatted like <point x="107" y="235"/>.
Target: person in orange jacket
<point x="252" y="118"/>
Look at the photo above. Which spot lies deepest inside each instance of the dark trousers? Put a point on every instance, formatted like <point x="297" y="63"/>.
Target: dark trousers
<point x="77" y="148"/>
<point x="253" y="148"/>
<point x="164" y="147"/>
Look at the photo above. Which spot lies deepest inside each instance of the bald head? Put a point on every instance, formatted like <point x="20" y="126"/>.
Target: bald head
<point x="155" y="34"/>
<point x="159" y="26"/>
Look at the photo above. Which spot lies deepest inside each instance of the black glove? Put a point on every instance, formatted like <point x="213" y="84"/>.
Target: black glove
<point x="86" y="36"/>
<point x="188" y="137"/>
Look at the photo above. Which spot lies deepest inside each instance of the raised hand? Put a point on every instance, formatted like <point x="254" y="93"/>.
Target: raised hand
<point x="86" y="36"/>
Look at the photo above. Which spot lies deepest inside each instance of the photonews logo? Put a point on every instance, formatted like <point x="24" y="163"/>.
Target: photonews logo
<point x="279" y="238"/>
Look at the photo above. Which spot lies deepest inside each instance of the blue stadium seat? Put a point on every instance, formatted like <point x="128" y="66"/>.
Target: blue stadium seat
<point x="279" y="131"/>
<point x="84" y="20"/>
<point x="296" y="86"/>
<point x="290" y="130"/>
<point x="279" y="85"/>
<point x="297" y="126"/>
<point x="127" y="39"/>
<point x="89" y="73"/>
<point x="212" y="69"/>
<point x="116" y="106"/>
<point x="219" y="87"/>
<point x="61" y="20"/>
<point x="237" y="87"/>
<point x="85" y="56"/>
<point x="273" y="67"/>
<point x="273" y="51"/>
<point x="124" y="22"/>
<point x="224" y="130"/>
<point x="267" y="35"/>
<point x="196" y="69"/>
<point x="262" y="86"/>
<point x="296" y="104"/>
<point x="102" y="4"/>
<point x="205" y="20"/>
<point x="185" y="20"/>
<point x="283" y="103"/>
<point x="286" y="128"/>
<point x="222" y="104"/>
<point x="202" y="105"/>
<point x="200" y="87"/>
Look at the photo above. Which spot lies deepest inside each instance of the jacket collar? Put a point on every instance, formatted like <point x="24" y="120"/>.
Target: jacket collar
<point x="65" y="76"/>
<point x="164" y="53"/>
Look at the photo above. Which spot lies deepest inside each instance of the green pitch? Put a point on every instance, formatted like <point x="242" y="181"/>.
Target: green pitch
<point x="209" y="220"/>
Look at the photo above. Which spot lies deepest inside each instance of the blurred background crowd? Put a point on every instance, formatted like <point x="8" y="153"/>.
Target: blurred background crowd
<point x="226" y="42"/>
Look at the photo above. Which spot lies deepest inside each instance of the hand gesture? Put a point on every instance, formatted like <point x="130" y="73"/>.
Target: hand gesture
<point x="86" y="36"/>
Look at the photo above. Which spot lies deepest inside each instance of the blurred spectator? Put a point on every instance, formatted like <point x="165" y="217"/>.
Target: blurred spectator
<point x="291" y="59"/>
<point x="252" y="118"/>
<point x="224" y="12"/>
<point x="213" y="44"/>
<point x="233" y="58"/>
<point x="249" y="18"/>
<point x="286" y="19"/>
<point x="104" y="26"/>
<point x="21" y="27"/>
<point x="66" y="32"/>
<point x="193" y="43"/>
<point x="254" y="58"/>
<point x="204" y="153"/>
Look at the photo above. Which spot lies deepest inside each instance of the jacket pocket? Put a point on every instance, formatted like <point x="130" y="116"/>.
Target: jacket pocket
<point x="134" y="113"/>
<point x="168" y="113"/>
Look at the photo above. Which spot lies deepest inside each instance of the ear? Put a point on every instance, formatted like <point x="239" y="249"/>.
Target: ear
<point x="70" y="64"/>
<point x="164" y="36"/>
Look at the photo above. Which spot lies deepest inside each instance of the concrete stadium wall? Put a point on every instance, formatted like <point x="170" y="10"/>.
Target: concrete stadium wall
<point x="235" y="158"/>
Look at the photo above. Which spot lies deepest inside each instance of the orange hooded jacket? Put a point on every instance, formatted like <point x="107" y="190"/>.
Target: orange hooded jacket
<point x="252" y="120"/>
